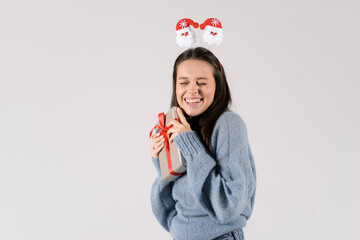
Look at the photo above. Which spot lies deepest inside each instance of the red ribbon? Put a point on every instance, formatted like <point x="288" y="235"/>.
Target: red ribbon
<point x="164" y="129"/>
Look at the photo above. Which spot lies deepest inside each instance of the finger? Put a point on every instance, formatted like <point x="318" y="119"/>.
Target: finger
<point x="173" y="123"/>
<point x="155" y="151"/>
<point x="155" y="135"/>
<point x="181" y="115"/>
<point x="157" y="139"/>
<point x="158" y="149"/>
<point x="158" y="144"/>
<point x="172" y="130"/>
<point x="172" y="137"/>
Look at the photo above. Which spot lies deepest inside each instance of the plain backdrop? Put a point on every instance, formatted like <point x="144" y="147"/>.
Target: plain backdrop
<point x="82" y="82"/>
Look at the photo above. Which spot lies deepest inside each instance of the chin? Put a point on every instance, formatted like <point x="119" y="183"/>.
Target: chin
<point x="192" y="112"/>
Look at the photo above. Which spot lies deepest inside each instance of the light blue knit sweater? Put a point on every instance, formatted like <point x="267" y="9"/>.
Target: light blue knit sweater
<point x="216" y="195"/>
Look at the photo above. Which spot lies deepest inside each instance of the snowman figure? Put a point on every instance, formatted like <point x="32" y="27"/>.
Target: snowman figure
<point x="213" y="31"/>
<point x="185" y="36"/>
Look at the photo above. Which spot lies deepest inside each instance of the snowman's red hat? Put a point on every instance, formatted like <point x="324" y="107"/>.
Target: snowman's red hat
<point x="212" y="22"/>
<point x="186" y="22"/>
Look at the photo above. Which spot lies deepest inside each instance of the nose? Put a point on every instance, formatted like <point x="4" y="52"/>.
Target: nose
<point x="186" y="34"/>
<point x="193" y="88"/>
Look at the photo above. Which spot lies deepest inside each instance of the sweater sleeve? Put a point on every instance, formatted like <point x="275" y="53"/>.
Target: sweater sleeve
<point x="223" y="186"/>
<point x="162" y="203"/>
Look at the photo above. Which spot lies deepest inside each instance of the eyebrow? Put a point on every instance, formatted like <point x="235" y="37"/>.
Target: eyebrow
<point x="199" y="78"/>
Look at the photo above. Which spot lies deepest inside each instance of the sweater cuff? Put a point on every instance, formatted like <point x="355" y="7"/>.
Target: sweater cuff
<point x="189" y="144"/>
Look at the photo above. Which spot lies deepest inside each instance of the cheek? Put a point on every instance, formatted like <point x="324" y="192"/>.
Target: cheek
<point x="178" y="94"/>
<point x="211" y="94"/>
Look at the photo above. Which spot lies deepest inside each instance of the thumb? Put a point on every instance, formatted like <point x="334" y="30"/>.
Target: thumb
<point x="181" y="115"/>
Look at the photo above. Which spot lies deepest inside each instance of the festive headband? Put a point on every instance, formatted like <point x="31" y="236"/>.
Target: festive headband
<point x="185" y="36"/>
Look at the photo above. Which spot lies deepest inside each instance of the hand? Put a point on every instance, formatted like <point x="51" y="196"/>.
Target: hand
<point x="178" y="127"/>
<point x="158" y="144"/>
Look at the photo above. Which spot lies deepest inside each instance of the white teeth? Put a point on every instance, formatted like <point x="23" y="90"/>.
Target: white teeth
<point x="196" y="100"/>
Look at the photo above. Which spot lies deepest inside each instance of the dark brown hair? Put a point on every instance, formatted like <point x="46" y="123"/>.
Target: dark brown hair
<point x="222" y="98"/>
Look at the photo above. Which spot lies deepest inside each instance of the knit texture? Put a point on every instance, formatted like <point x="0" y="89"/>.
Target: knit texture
<point x="217" y="193"/>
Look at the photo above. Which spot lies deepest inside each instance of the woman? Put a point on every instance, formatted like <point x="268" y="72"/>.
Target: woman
<point x="215" y="198"/>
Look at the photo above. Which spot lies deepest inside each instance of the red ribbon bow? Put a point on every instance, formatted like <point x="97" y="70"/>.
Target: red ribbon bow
<point x="164" y="129"/>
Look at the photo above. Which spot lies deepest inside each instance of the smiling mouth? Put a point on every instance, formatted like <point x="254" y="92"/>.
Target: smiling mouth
<point x="193" y="100"/>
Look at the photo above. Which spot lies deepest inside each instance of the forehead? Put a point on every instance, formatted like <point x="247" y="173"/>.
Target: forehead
<point x="194" y="68"/>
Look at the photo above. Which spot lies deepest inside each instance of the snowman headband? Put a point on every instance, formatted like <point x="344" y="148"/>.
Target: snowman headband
<point x="185" y="36"/>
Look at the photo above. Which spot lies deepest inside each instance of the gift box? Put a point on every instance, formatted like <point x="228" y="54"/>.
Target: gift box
<point x="171" y="161"/>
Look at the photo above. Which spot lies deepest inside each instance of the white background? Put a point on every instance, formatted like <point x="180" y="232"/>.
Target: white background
<point x="81" y="84"/>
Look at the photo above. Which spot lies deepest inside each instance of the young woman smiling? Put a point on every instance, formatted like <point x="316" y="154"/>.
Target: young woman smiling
<point x="215" y="198"/>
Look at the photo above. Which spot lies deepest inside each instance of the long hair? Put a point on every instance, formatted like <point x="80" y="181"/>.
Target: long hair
<point x="222" y="97"/>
